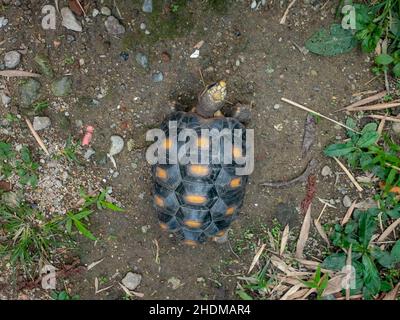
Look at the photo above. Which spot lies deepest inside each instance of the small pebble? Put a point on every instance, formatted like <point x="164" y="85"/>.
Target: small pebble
<point x="147" y="6"/>
<point x="277" y="106"/>
<point x="113" y="26"/>
<point x="117" y="144"/>
<point x="41" y="123"/>
<point x="142" y="26"/>
<point x="95" y="13"/>
<point x="124" y="55"/>
<point x="89" y="152"/>
<point x="105" y="11"/>
<point x="157" y="76"/>
<point x="326" y="171"/>
<point x="3" y="22"/>
<point x="142" y="60"/>
<point x="12" y="59"/>
<point x="132" y="280"/>
<point x="346" y="201"/>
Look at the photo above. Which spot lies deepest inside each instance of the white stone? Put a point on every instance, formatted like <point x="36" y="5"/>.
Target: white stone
<point x="69" y="20"/>
<point x="95" y="13"/>
<point x="117" y="144"/>
<point x="12" y="59"/>
<point x="326" y="171"/>
<point x="346" y="201"/>
<point x="105" y="11"/>
<point x="132" y="280"/>
<point x="41" y="123"/>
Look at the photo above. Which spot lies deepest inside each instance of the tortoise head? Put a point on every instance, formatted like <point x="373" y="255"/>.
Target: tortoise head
<point x="211" y="99"/>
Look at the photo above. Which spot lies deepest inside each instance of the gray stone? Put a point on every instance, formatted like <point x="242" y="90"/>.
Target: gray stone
<point x="132" y="280"/>
<point x="346" y="201"/>
<point x="147" y="6"/>
<point x="106" y="11"/>
<point x="117" y="144"/>
<point x="29" y="91"/>
<point x="12" y="59"/>
<point x="89" y="152"/>
<point x="3" y="22"/>
<point x="5" y="99"/>
<point x="62" y="87"/>
<point x="113" y="26"/>
<point x="157" y="76"/>
<point x="277" y="106"/>
<point x="95" y="13"/>
<point x="41" y="123"/>
<point x="326" y="171"/>
<point x="69" y="20"/>
<point x="142" y="60"/>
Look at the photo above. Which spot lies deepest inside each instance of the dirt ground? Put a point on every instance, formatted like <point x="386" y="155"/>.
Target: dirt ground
<point x="261" y="64"/>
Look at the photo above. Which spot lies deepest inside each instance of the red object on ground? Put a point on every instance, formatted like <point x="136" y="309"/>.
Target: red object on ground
<point x="88" y="136"/>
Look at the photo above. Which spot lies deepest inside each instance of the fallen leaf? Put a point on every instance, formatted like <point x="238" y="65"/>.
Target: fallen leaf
<point x="256" y="257"/>
<point x="305" y="228"/>
<point x="392" y="295"/>
<point x="321" y="232"/>
<point x="93" y="264"/>
<point x="285" y="237"/>
<point x="18" y="73"/>
<point x="76" y="7"/>
<point x="388" y="230"/>
<point x="348" y="214"/>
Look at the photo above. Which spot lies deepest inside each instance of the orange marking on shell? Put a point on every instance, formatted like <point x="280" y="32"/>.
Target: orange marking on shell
<point x="237" y="152"/>
<point x="195" y="199"/>
<point x="192" y="223"/>
<point x="191" y="243"/>
<point x="203" y="143"/>
<point x="221" y="233"/>
<point x="230" y="211"/>
<point x="235" y="182"/>
<point x="199" y="170"/>
<point x="161" y="173"/>
<point x="159" y="201"/>
<point x="167" y="143"/>
<point x="163" y="226"/>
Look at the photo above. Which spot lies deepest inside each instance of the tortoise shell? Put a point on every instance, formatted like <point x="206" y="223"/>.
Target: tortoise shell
<point x="198" y="201"/>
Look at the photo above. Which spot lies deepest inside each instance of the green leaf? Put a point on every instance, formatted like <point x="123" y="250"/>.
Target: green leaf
<point x="383" y="257"/>
<point x="81" y="214"/>
<point x="395" y="253"/>
<point x="367" y="225"/>
<point x="81" y="228"/>
<point x="243" y="295"/>
<point x="338" y="149"/>
<point x="367" y="139"/>
<point x="396" y="70"/>
<point x="111" y="206"/>
<point x="331" y="42"/>
<point x="372" y="126"/>
<point x="383" y="59"/>
<point x="335" y="261"/>
<point x="372" y="281"/>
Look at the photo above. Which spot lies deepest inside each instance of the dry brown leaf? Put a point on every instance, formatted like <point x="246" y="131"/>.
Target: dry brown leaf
<point x="348" y="264"/>
<point x="76" y="7"/>
<point x="18" y="73"/>
<point x="380" y="106"/>
<point x="290" y="292"/>
<point x="321" y="232"/>
<point x="364" y="101"/>
<point x="299" y="295"/>
<point x="305" y="229"/>
<point x="93" y="264"/>
<point x="388" y="230"/>
<point x="381" y="117"/>
<point x="392" y="295"/>
<point x="281" y="265"/>
<point x="348" y="214"/>
<point x="285" y="237"/>
<point x="256" y="257"/>
<point x="334" y="285"/>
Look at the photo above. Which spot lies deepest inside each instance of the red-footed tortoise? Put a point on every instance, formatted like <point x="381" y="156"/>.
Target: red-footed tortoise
<point x="199" y="201"/>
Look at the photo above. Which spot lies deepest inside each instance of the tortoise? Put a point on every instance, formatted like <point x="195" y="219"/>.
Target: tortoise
<point x="199" y="201"/>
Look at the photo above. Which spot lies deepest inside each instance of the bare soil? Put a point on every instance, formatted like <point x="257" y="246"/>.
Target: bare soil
<point x="257" y="57"/>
